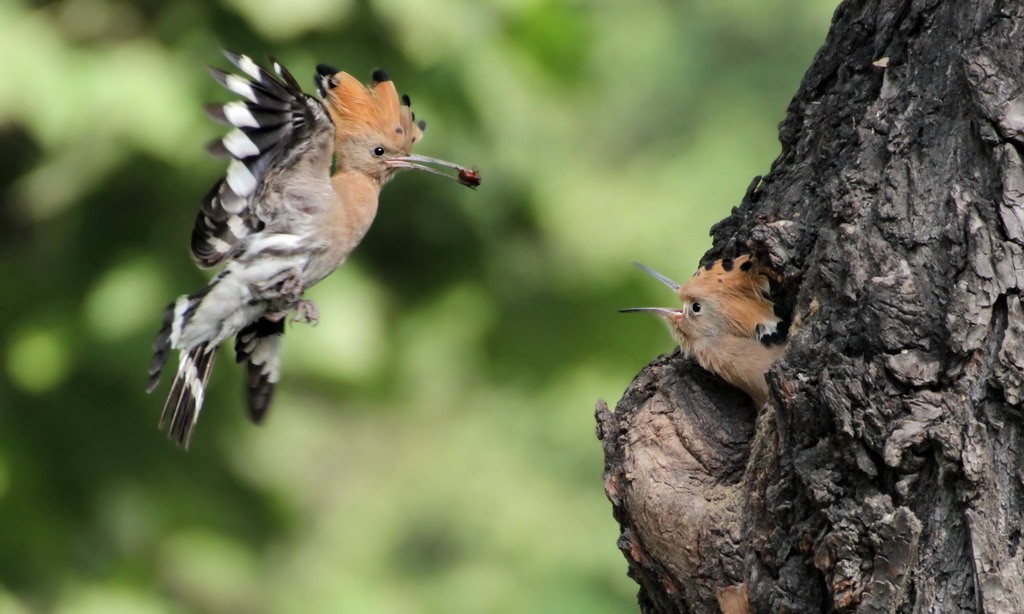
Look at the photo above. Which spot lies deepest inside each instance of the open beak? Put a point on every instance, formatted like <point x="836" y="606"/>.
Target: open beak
<point x="460" y="174"/>
<point x="664" y="312"/>
<point x="656" y="275"/>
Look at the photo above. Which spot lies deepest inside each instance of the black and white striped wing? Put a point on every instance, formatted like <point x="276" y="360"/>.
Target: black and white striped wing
<point x="265" y="125"/>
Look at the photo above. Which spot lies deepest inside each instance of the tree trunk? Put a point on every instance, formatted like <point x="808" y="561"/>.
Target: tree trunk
<point x="886" y="472"/>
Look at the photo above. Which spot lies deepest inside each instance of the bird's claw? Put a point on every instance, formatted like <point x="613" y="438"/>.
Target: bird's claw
<point x="302" y="310"/>
<point x="306" y="311"/>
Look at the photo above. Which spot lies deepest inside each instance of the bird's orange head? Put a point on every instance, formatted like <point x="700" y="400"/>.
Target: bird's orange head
<point x="376" y="128"/>
<point x="374" y="112"/>
<point x="727" y="297"/>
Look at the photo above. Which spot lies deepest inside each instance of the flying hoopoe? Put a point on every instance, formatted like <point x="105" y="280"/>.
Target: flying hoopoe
<point x="727" y="323"/>
<point x="299" y="195"/>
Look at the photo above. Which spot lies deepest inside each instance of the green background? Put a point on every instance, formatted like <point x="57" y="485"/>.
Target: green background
<point x="432" y="445"/>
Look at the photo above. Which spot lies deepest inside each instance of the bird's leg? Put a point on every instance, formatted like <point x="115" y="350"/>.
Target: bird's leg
<point x="275" y="316"/>
<point x="286" y="285"/>
<point x="292" y="286"/>
<point x="283" y="292"/>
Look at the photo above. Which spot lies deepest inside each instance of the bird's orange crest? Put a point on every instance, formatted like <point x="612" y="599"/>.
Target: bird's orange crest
<point x="358" y="109"/>
<point x="741" y="290"/>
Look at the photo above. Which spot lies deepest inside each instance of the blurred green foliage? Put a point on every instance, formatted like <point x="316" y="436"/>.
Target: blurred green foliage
<point x="432" y="446"/>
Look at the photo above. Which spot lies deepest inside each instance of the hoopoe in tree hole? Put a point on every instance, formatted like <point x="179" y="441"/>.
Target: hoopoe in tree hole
<point x="299" y="195"/>
<point x="727" y="323"/>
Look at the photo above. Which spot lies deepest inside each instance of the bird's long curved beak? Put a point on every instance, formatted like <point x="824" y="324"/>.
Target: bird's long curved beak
<point x="466" y="176"/>
<point x="656" y="275"/>
<point x="661" y="311"/>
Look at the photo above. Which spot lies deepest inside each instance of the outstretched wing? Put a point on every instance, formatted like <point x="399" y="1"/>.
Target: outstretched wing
<point x="275" y="115"/>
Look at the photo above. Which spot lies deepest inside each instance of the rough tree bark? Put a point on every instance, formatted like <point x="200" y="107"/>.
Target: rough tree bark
<point x="886" y="472"/>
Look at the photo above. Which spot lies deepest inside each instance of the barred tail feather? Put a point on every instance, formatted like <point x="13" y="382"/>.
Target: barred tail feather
<point x="263" y="128"/>
<point x="161" y="349"/>
<point x="259" y="347"/>
<point x="176" y="316"/>
<point x="184" y="402"/>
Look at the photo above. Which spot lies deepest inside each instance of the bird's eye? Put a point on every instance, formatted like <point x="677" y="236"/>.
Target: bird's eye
<point x="695" y="307"/>
<point x="378" y="151"/>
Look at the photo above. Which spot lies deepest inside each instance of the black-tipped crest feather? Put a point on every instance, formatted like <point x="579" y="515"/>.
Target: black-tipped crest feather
<point x="324" y="78"/>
